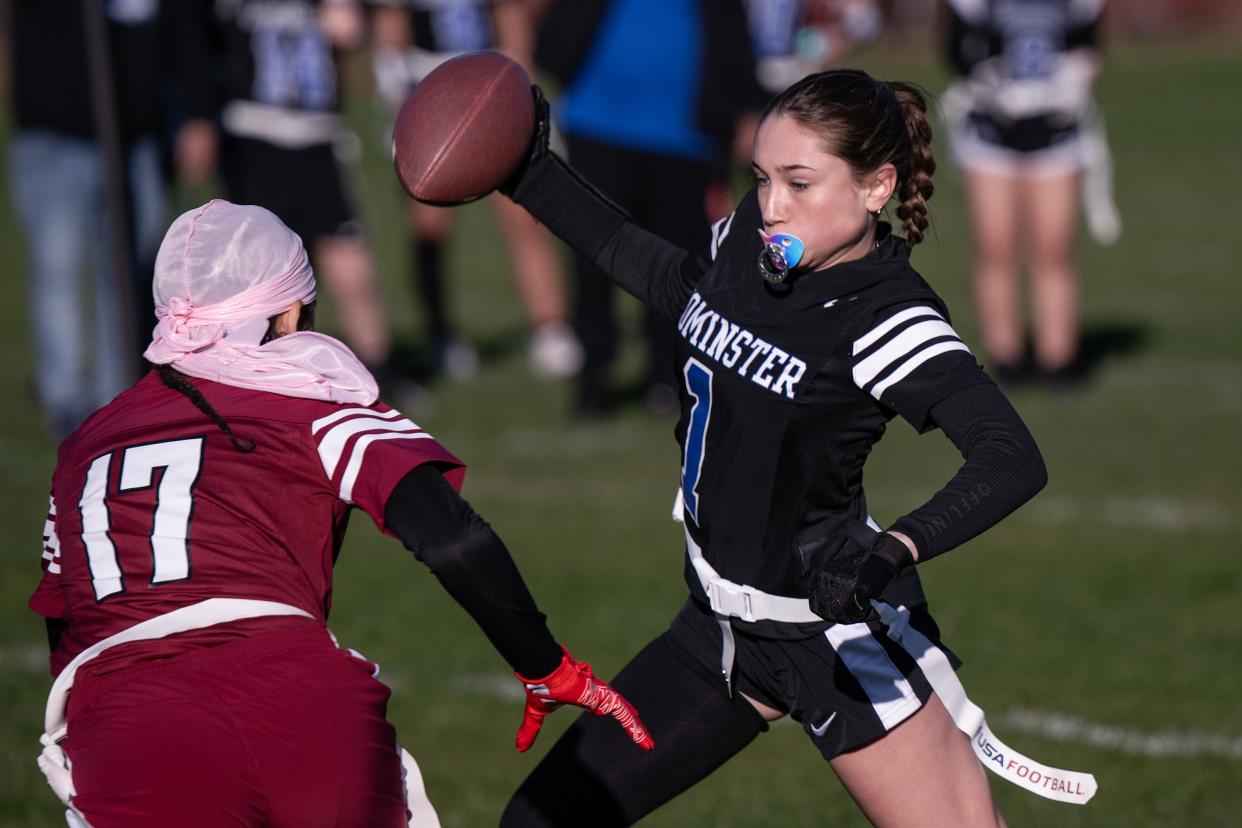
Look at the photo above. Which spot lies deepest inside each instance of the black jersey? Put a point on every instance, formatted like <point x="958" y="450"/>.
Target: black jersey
<point x="156" y="77"/>
<point x="787" y="388"/>
<point x="1024" y="94"/>
<point x="275" y="53"/>
<point x="1027" y="35"/>
<point x="444" y="29"/>
<point x="453" y="25"/>
<point x="449" y="26"/>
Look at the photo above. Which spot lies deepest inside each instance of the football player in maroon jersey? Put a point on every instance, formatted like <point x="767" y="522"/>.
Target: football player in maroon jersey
<point x="188" y="554"/>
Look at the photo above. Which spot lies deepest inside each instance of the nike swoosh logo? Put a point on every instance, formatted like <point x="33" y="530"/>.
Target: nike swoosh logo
<point x="822" y="728"/>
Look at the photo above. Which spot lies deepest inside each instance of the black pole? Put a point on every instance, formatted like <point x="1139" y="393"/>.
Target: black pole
<point x="116" y="189"/>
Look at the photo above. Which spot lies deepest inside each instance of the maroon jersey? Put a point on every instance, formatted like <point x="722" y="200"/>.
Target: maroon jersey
<point x="153" y="508"/>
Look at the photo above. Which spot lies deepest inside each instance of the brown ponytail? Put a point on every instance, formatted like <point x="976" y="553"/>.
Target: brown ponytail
<point x="869" y="123"/>
<point x="915" y="186"/>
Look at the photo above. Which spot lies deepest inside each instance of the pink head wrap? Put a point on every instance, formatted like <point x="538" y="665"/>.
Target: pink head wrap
<point x="222" y="271"/>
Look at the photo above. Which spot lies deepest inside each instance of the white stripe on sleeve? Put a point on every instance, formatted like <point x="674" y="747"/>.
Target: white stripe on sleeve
<point x="887" y="325"/>
<point x="336" y="438"/>
<point x="337" y="416"/>
<point x="900" y="348"/>
<point x="915" y="361"/>
<point x="719" y="230"/>
<point x="355" y="460"/>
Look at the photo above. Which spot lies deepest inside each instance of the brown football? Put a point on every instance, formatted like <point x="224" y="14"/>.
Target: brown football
<point x="464" y="128"/>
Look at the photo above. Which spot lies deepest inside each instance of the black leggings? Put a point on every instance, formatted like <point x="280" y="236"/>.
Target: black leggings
<point x="594" y="775"/>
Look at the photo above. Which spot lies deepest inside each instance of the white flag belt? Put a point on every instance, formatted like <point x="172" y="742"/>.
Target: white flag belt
<point x="749" y="604"/>
<point x="1051" y="783"/>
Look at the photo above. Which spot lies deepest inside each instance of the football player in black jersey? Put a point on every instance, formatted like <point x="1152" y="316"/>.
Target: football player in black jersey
<point x="803" y="331"/>
<point x="1029" y="139"/>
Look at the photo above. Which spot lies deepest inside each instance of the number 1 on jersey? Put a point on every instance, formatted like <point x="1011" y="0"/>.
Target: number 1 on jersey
<point x="699" y="384"/>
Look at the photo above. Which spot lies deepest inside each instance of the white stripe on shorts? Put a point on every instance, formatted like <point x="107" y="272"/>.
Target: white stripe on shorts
<point x="892" y="698"/>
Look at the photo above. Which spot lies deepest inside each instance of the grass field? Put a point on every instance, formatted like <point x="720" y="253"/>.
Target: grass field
<point x="1100" y="625"/>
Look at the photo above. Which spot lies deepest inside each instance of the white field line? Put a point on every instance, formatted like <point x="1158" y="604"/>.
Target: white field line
<point x="1165" y="743"/>
<point x="1159" y="512"/>
<point x="1054" y="726"/>
<point x="493" y="685"/>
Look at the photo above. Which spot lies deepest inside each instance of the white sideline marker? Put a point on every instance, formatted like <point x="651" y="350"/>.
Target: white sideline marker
<point x="1166" y="743"/>
<point x="1159" y="512"/>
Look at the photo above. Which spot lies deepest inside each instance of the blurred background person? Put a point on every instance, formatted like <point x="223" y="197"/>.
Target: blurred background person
<point x="1025" y="130"/>
<point x="652" y="91"/>
<point x="791" y="39"/>
<point x="795" y="38"/>
<point x="282" y="139"/>
<point x="92" y="120"/>
<point x="412" y="37"/>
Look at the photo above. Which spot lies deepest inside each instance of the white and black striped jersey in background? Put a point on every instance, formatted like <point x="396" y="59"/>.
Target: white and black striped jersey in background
<point x="1029" y="34"/>
<point x="449" y="26"/>
<point x="278" y="72"/>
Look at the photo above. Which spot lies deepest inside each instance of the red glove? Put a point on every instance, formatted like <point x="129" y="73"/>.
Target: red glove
<point x="573" y="683"/>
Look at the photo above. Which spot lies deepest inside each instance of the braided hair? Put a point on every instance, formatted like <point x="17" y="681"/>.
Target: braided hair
<point x="869" y="123"/>
<point x="177" y="381"/>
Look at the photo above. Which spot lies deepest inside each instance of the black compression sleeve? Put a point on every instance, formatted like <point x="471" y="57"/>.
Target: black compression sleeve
<point x="473" y="565"/>
<point x="1003" y="470"/>
<point x="658" y="273"/>
<point x="55" y="629"/>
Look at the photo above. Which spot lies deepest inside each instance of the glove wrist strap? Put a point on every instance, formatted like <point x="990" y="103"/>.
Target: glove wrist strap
<point x="892" y="551"/>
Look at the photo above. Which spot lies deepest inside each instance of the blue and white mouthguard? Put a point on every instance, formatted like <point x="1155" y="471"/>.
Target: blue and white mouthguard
<point x="781" y="254"/>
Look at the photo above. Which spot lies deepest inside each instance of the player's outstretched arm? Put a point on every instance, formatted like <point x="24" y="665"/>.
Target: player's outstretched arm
<point x="572" y="682"/>
<point x="473" y="565"/>
<point x="657" y="272"/>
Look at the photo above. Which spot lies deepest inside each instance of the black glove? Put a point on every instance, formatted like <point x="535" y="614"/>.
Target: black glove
<point x="538" y="144"/>
<point x="843" y="588"/>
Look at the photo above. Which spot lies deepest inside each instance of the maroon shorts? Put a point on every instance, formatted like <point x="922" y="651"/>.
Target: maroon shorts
<point x="281" y="729"/>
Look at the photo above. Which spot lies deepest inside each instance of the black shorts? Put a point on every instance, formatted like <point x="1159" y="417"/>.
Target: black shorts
<point x="1043" y="144"/>
<point x="847" y="686"/>
<point x="304" y="187"/>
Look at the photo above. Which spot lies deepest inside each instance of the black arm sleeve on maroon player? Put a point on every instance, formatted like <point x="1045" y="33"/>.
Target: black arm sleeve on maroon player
<point x="473" y="565"/>
<point x="1003" y="470"/>
<point x="659" y="273"/>
<point x="55" y="629"/>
